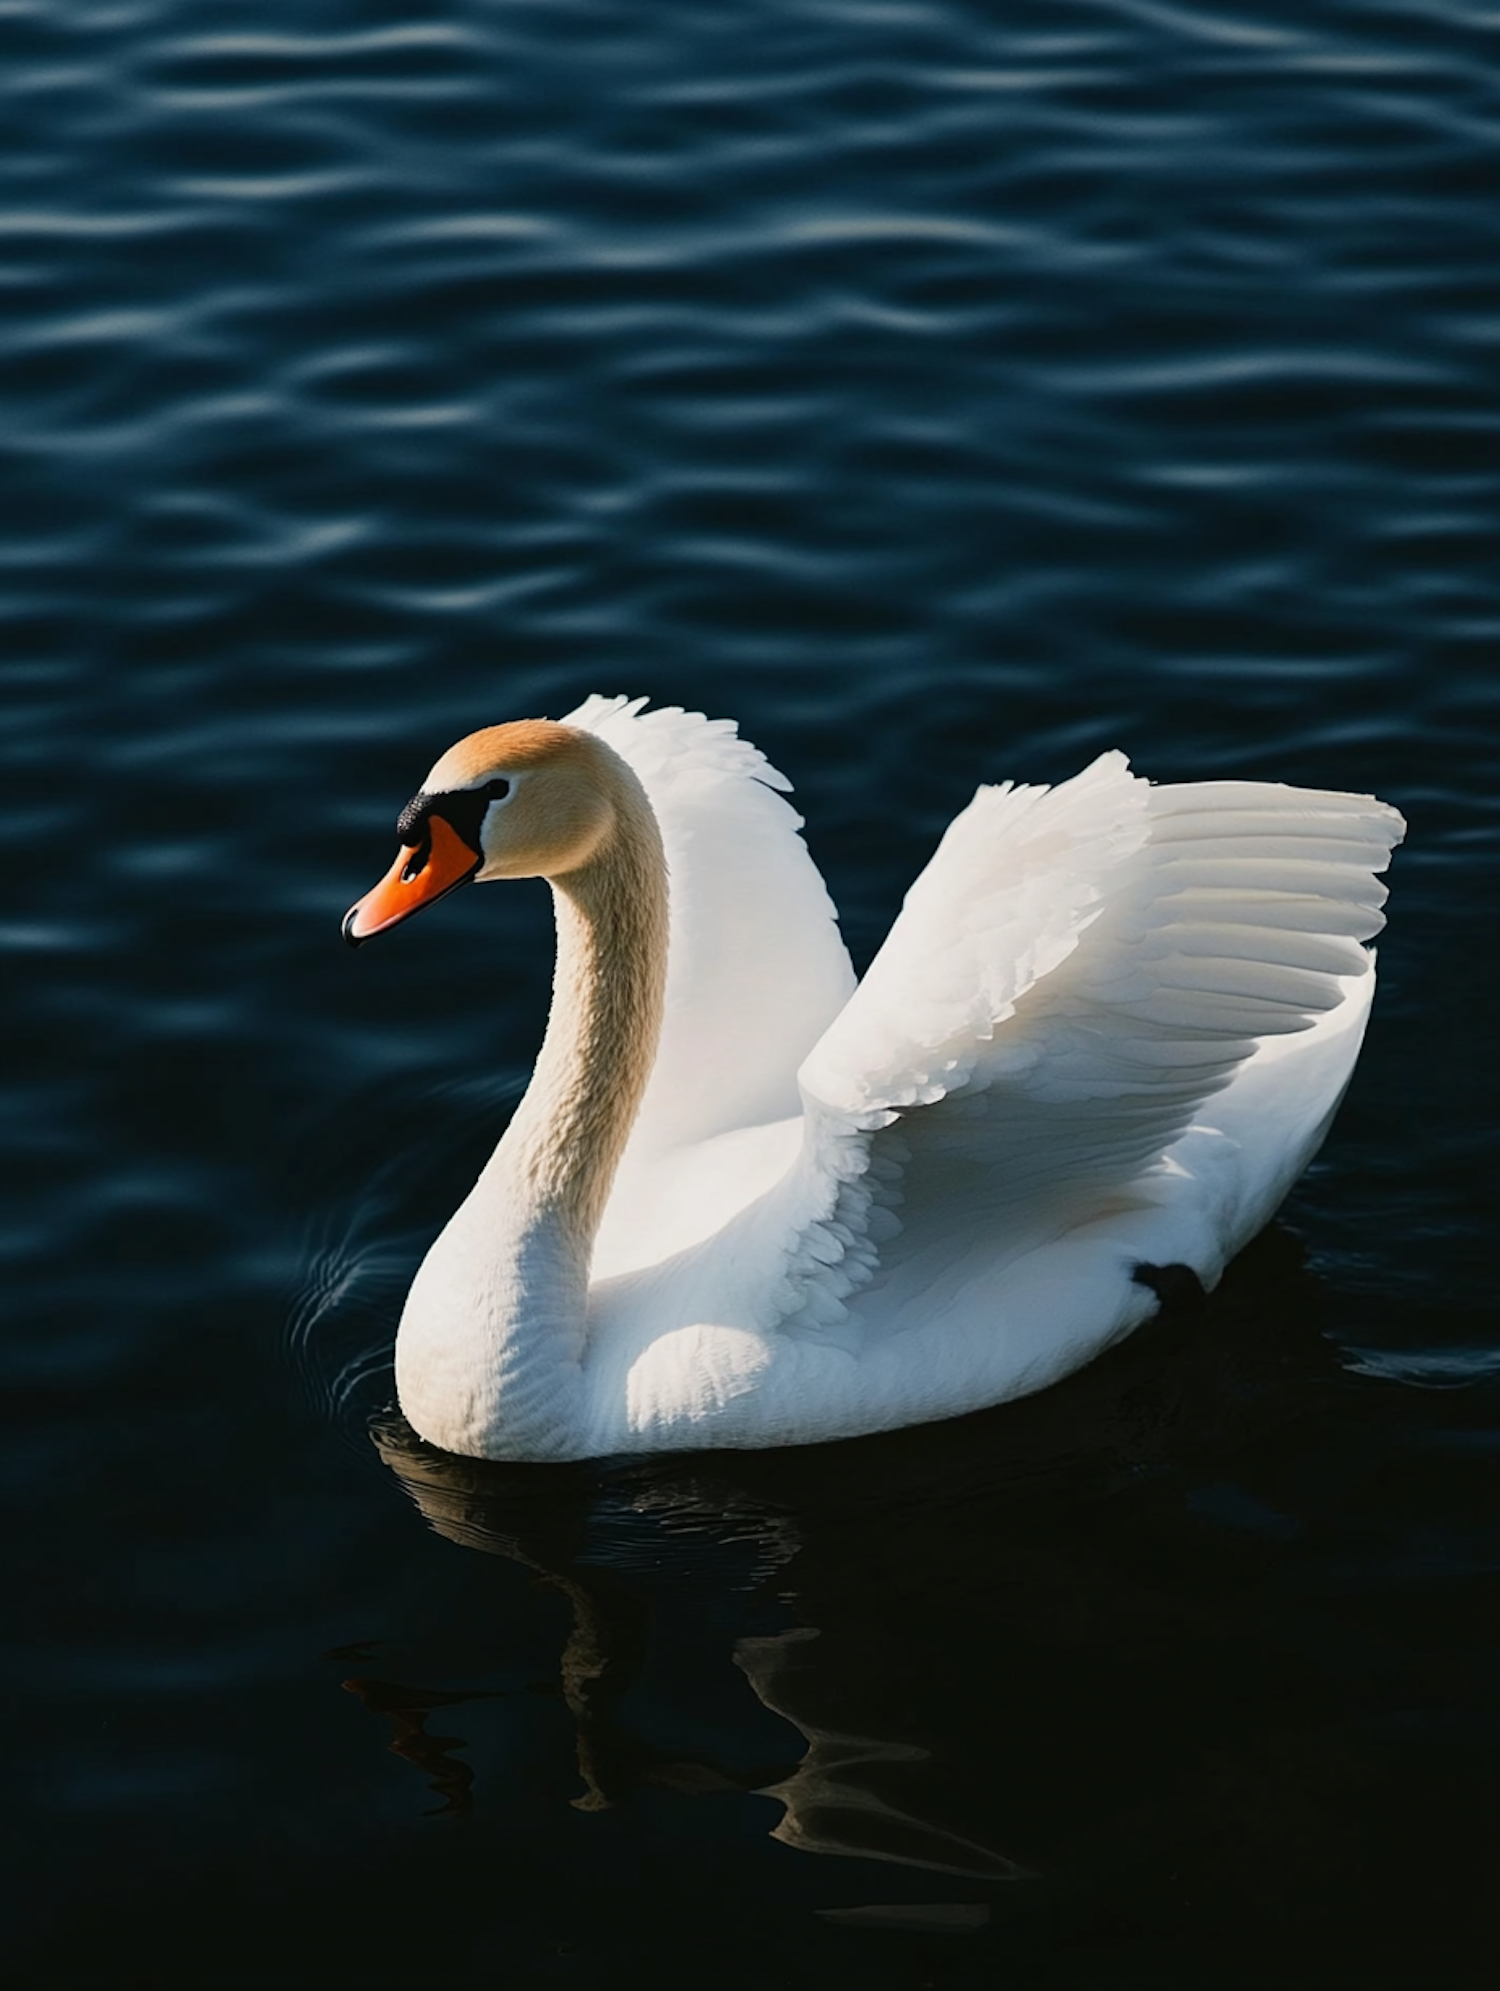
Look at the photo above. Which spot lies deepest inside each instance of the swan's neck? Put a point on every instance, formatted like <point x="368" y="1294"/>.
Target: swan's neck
<point x="564" y="1144"/>
<point x="490" y="1353"/>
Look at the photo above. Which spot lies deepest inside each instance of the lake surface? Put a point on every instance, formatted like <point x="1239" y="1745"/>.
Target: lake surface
<point x="946" y="393"/>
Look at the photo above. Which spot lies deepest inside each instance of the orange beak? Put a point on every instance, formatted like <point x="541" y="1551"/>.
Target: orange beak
<point x="413" y="881"/>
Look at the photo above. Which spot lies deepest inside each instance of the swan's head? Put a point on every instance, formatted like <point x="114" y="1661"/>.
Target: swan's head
<point x="530" y="800"/>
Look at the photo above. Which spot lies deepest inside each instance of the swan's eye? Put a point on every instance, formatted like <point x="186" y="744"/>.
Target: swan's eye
<point x="463" y="810"/>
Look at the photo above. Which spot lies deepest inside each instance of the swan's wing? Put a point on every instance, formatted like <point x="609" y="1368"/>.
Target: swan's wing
<point x="1073" y="975"/>
<point x="756" y="968"/>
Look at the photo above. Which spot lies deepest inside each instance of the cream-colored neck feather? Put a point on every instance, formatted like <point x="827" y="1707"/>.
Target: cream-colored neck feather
<point x="565" y="1141"/>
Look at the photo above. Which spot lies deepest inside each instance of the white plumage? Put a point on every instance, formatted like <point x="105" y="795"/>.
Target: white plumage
<point x="1109" y="1028"/>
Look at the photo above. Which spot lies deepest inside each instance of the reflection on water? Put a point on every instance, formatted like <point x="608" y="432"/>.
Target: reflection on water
<point x="1050" y="1653"/>
<point x="495" y="1510"/>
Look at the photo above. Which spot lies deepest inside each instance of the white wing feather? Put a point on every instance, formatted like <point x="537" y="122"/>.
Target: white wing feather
<point x="756" y="970"/>
<point x="1074" y="975"/>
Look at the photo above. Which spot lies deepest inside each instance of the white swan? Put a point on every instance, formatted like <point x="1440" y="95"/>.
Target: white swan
<point x="745" y="1202"/>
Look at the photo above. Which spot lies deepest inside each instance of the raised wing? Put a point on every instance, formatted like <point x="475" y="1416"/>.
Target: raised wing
<point x="756" y="968"/>
<point x="1074" y="974"/>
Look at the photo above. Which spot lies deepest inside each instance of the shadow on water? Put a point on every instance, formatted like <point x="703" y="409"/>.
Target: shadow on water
<point x="1079" y="1666"/>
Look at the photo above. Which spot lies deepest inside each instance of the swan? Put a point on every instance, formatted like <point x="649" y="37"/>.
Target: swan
<point x="748" y="1202"/>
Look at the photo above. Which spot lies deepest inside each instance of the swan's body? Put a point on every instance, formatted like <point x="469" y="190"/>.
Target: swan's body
<point x="746" y="1203"/>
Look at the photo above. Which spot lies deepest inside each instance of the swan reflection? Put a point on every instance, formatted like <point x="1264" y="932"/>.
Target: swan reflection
<point x="1062" y="1645"/>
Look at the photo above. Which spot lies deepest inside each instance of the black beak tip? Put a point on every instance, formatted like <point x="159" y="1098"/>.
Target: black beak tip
<point x="351" y="938"/>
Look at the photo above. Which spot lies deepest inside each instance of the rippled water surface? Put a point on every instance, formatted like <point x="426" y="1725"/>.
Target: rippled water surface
<point x="946" y="392"/>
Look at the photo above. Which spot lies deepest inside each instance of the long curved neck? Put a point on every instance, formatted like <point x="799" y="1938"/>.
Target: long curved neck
<point x="564" y="1144"/>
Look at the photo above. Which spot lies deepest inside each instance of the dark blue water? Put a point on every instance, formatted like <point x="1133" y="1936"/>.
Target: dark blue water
<point x="945" y="392"/>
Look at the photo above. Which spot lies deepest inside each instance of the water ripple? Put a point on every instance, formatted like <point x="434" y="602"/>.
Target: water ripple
<point x="947" y="392"/>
